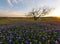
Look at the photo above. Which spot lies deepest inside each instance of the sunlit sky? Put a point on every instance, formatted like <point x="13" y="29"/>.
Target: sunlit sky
<point x="17" y="8"/>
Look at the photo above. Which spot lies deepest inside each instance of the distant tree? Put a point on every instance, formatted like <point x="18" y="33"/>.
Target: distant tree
<point x="37" y="13"/>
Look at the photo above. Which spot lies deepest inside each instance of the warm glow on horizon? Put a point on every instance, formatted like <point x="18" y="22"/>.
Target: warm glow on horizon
<point x="54" y="13"/>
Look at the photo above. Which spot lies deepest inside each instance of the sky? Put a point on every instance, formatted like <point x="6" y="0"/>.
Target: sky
<point x="17" y="8"/>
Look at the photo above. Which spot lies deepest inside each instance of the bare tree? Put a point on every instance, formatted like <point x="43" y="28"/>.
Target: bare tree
<point x="37" y="13"/>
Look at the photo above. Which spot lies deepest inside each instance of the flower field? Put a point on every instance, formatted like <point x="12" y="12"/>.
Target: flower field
<point x="30" y="33"/>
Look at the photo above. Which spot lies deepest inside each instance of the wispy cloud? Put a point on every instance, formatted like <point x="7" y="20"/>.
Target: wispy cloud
<point x="10" y="2"/>
<point x="15" y="1"/>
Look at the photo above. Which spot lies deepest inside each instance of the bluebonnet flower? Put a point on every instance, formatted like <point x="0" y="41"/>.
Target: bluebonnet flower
<point x="19" y="38"/>
<point x="59" y="39"/>
<point x="10" y="38"/>
<point x="43" y="38"/>
<point x="23" y="39"/>
<point x="37" y="42"/>
<point x="27" y="42"/>
<point x="56" y="42"/>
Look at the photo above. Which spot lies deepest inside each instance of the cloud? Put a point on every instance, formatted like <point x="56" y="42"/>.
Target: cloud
<point x="10" y="2"/>
<point x="11" y="14"/>
<point x="15" y="1"/>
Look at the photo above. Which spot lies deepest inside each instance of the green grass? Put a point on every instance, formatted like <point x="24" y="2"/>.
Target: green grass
<point x="11" y="20"/>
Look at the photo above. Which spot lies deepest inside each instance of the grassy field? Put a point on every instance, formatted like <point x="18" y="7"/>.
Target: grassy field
<point x="4" y="20"/>
<point x="16" y="20"/>
<point x="11" y="20"/>
<point x="22" y="30"/>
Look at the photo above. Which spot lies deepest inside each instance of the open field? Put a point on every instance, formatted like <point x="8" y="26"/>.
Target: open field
<point x="16" y="20"/>
<point x="11" y="20"/>
<point x="29" y="31"/>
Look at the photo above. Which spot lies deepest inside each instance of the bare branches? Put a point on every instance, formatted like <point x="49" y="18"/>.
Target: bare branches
<point x="39" y="12"/>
